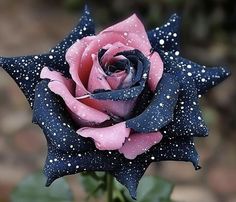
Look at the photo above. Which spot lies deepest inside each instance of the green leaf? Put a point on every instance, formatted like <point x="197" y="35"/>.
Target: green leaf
<point x="91" y="184"/>
<point x="150" y="189"/>
<point x="154" y="189"/>
<point x="32" y="188"/>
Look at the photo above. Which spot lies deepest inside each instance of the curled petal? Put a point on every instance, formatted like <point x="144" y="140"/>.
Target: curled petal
<point x="139" y="82"/>
<point x="114" y="108"/>
<point x="131" y="39"/>
<point x="64" y="87"/>
<point x="139" y="143"/>
<point x="57" y="76"/>
<point x="113" y="49"/>
<point x="97" y="78"/>
<point x="119" y="95"/>
<point x="50" y="113"/>
<point x="161" y="109"/>
<point x="116" y="79"/>
<point x="108" y="138"/>
<point x="82" y="113"/>
<point x="73" y="57"/>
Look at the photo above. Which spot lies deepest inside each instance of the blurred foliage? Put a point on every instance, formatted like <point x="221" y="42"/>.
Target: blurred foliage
<point x="93" y="183"/>
<point x="150" y="189"/>
<point x="32" y="188"/>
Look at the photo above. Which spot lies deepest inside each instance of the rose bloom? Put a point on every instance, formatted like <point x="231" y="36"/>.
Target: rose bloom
<point x="109" y="72"/>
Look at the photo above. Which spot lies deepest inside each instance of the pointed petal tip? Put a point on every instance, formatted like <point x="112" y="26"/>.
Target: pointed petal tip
<point x="175" y="16"/>
<point x="197" y="167"/>
<point x="50" y="179"/>
<point x="6" y="62"/>
<point x="226" y="71"/>
<point x="133" y="192"/>
<point x="1" y="61"/>
<point x="86" y="9"/>
<point x="48" y="182"/>
<point x="133" y="196"/>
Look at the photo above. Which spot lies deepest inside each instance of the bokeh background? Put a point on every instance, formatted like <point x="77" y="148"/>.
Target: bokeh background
<point x="208" y="37"/>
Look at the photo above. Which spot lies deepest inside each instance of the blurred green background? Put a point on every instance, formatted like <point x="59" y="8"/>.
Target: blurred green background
<point x="208" y="37"/>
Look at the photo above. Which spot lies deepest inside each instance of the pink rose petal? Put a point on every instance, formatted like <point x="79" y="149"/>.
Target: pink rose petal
<point x="116" y="108"/>
<point x="129" y="25"/>
<point x="73" y="57"/>
<point x="57" y="76"/>
<point x="82" y="113"/>
<point x="156" y="71"/>
<point x="113" y="50"/>
<point x="108" y="138"/>
<point x="97" y="78"/>
<point x="138" y="143"/>
<point x="131" y="39"/>
<point x="116" y="79"/>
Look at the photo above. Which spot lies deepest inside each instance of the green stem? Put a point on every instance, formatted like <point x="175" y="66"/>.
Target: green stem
<point x="110" y="181"/>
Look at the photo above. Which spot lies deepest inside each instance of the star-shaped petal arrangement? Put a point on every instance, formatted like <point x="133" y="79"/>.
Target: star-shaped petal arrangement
<point x="174" y="109"/>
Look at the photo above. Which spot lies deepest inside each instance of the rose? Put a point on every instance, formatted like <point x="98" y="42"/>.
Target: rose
<point x="109" y="72"/>
<point x="132" y="115"/>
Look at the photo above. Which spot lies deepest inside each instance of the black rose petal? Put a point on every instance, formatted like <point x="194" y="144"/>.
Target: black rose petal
<point x="25" y="70"/>
<point x="142" y="102"/>
<point x="205" y="78"/>
<point x="161" y="108"/>
<point x="118" y="95"/>
<point x="50" y="113"/>
<point x="128" y="172"/>
<point x="141" y="62"/>
<point x="60" y="163"/>
<point x="187" y="119"/>
<point x="175" y="149"/>
<point x="166" y="37"/>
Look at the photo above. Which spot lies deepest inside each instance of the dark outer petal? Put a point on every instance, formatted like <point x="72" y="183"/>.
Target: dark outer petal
<point x="25" y="70"/>
<point x="142" y="102"/>
<point x="127" y="172"/>
<point x="50" y="113"/>
<point x="205" y="78"/>
<point x="175" y="149"/>
<point x="161" y="108"/>
<point x="130" y="174"/>
<point x="187" y="120"/>
<point x="169" y="33"/>
<point x="59" y="164"/>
